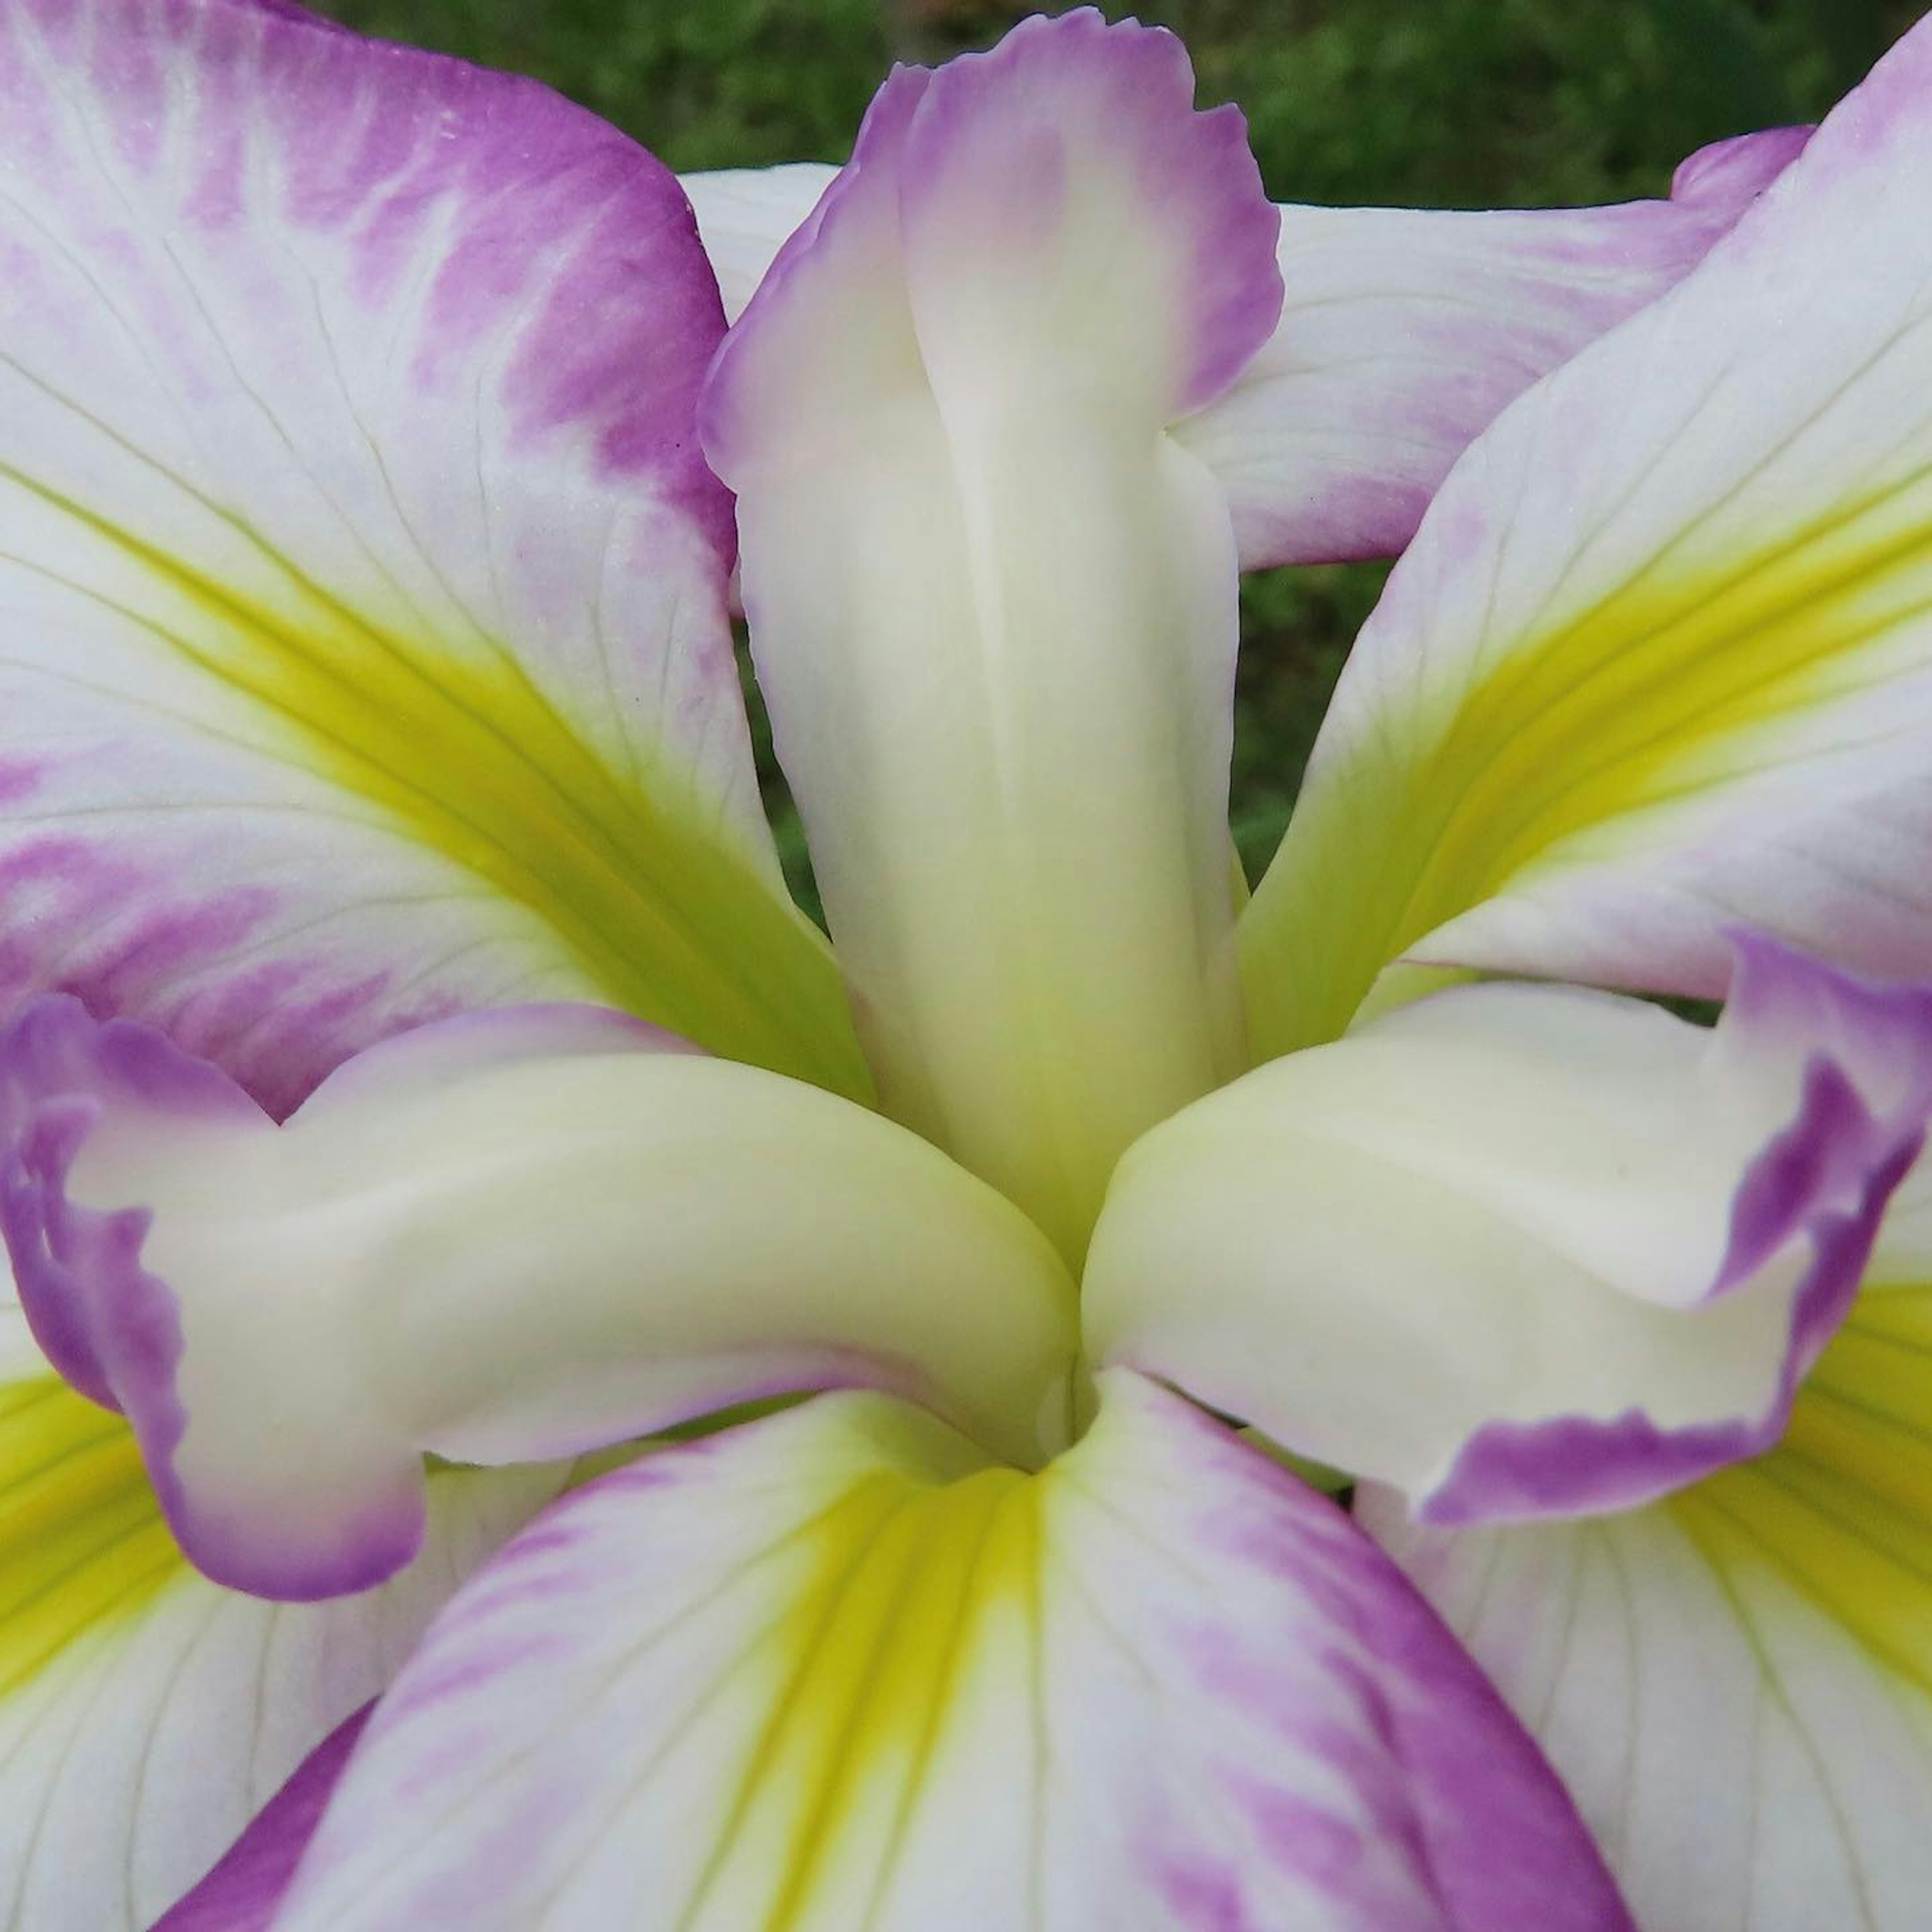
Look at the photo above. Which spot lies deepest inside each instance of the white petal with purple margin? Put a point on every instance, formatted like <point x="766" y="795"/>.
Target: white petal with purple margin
<point x="363" y="651"/>
<point x="1737" y="1683"/>
<point x="146" y="1713"/>
<point x="1523" y="1250"/>
<point x="1403" y="332"/>
<point x="832" y="1671"/>
<point x="512" y="1237"/>
<point x="1659" y="661"/>
<point x="992" y="601"/>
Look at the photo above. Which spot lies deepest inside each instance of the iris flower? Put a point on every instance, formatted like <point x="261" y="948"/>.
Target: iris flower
<point x="420" y="1098"/>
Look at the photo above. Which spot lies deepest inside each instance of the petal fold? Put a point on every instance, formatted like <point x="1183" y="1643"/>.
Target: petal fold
<point x="1658" y="663"/>
<point x="831" y="1671"/>
<point x="366" y="656"/>
<point x="510" y="1237"/>
<point x="1520" y="1250"/>
<point x="992" y="602"/>
<point x="1734" y="1682"/>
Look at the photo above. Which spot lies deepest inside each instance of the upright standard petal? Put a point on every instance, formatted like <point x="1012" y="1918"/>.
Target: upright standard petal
<point x="1403" y="333"/>
<point x="1735" y="1682"/>
<point x="509" y="1237"/>
<point x="992" y="601"/>
<point x="832" y="1671"/>
<point x="1519" y="1250"/>
<point x="1658" y="662"/>
<point x="146" y="1714"/>
<point x="364" y="650"/>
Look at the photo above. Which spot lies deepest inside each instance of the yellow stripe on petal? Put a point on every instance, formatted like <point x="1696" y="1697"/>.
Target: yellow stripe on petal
<point x="915" y="1583"/>
<point x="1679" y="683"/>
<point x="82" y="1543"/>
<point x="448" y="738"/>
<point x="1842" y="1510"/>
<point x="832" y="1671"/>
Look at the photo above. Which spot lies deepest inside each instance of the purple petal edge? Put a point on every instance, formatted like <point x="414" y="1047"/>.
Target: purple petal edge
<point x="918" y="112"/>
<point x="1838" y="1144"/>
<point x="241" y="1892"/>
<point x="1181" y="157"/>
<point x="109" y="1327"/>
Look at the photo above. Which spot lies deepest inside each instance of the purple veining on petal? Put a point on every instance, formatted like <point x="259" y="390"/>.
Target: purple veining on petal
<point x="1824" y="1179"/>
<point x="534" y="292"/>
<point x="588" y="355"/>
<point x="1392" y="352"/>
<point x="240" y="1893"/>
<point x="1479" y="1819"/>
<point x="1333" y="1756"/>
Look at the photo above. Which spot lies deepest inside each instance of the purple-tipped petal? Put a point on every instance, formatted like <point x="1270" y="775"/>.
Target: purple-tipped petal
<point x="510" y="1238"/>
<point x="1734" y="1681"/>
<point x="992" y="603"/>
<point x="368" y="655"/>
<point x="832" y="1670"/>
<point x="1402" y="333"/>
<point x="1523" y="1251"/>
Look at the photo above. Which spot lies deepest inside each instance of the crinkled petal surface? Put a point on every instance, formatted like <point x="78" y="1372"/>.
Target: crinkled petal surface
<point x="1406" y="331"/>
<point x="832" y="1671"/>
<point x="1736" y="1683"/>
<point x="992" y="602"/>
<point x="145" y="1714"/>
<point x="1523" y="1250"/>
<point x="362" y="642"/>
<point x="1659" y="661"/>
<point x="1403" y="331"/>
<point x="508" y="1237"/>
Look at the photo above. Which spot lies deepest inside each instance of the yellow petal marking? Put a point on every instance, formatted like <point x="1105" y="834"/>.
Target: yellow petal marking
<point x="918" y="1574"/>
<point x="83" y="1543"/>
<point x="1842" y="1510"/>
<point x="1670" y="685"/>
<point x="461" y="752"/>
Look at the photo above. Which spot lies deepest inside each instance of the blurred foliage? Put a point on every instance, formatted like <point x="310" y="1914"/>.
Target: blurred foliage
<point x="1428" y="103"/>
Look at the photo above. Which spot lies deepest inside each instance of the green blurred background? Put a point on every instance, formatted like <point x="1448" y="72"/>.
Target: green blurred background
<point x="1427" y="103"/>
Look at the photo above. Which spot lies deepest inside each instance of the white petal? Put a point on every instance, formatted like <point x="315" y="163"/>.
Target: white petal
<point x="1736" y="1683"/>
<point x="746" y="215"/>
<point x="363" y="650"/>
<point x="1523" y="1250"/>
<point x="1406" y="331"/>
<point x="831" y="1672"/>
<point x="1658" y="663"/>
<point x="146" y="1713"/>
<point x="991" y="602"/>
<point x="515" y="1237"/>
